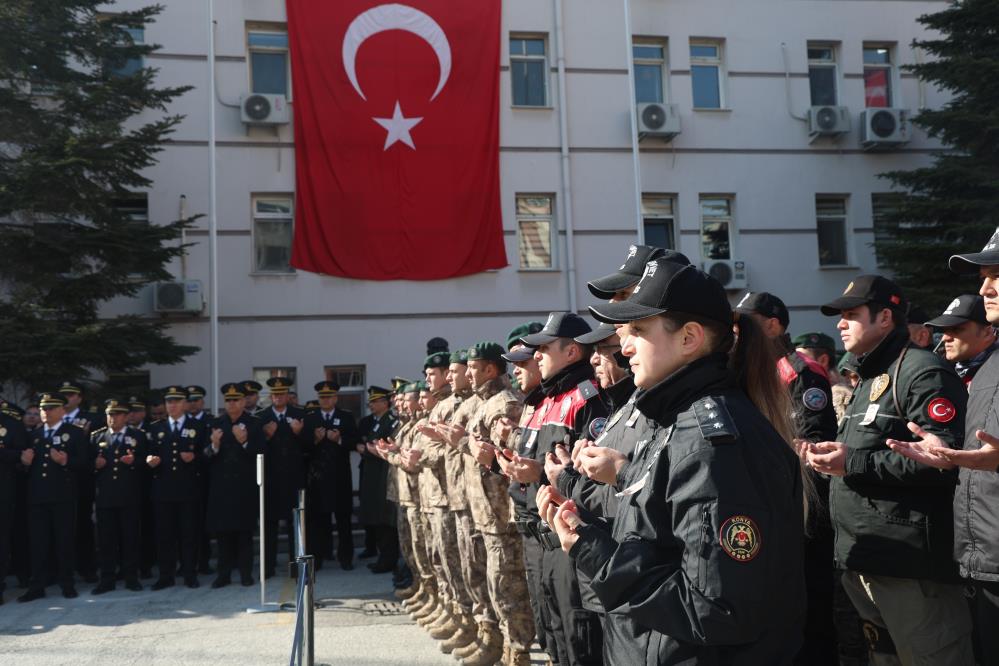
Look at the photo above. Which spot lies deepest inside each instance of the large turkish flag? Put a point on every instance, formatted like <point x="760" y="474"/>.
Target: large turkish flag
<point x="396" y="138"/>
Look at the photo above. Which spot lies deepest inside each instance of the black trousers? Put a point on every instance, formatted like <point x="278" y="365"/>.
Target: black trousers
<point x="6" y="523"/>
<point x="118" y="540"/>
<point x="344" y="536"/>
<point x="52" y="527"/>
<point x="542" y="626"/>
<point x="273" y="521"/>
<point x="86" y="557"/>
<point x="387" y="538"/>
<point x="235" y="550"/>
<point x="985" y="614"/>
<point x="176" y="532"/>
<point x="203" y="538"/>
<point x="577" y="631"/>
<point x="147" y="534"/>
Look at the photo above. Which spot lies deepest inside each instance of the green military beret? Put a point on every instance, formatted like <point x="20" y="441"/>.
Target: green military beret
<point x="814" y="341"/>
<point x="437" y="360"/>
<point x="848" y="363"/>
<point x="486" y="351"/>
<point x="459" y="356"/>
<point x="413" y="387"/>
<point x="524" y="329"/>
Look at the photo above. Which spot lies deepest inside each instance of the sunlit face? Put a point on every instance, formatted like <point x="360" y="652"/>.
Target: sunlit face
<point x="53" y="414"/>
<point x="279" y="400"/>
<point x="411" y="403"/>
<point x="859" y="334"/>
<point x="653" y="352"/>
<point x="117" y="420"/>
<point x="327" y="403"/>
<point x="174" y="407"/>
<point x="553" y="357"/>
<point x="427" y="401"/>
<point x="457" y="377"/>
<point x="527" y="373"/>
<point x="234" y="407"/>
<point x="990" y="292"/>
<point x="479" y="372"/>
<point x="966" y="341"/>
<point x="605" y="367"/>
<point x="436" y="378"/>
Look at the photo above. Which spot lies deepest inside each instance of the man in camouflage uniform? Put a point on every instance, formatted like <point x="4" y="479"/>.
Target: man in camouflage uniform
<point x="489" y="503"/>
<point x="471" y="548"/>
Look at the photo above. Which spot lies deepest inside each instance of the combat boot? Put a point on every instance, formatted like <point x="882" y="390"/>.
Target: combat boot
<point x="471" y="647"/>
<point x="445" y="629"/>
<point x="404" y="593"/>
<point x="519" y="658"/>
<point x="431" y="617"/>
<point x="489" y="650"/>
<point x="465" y="636"/>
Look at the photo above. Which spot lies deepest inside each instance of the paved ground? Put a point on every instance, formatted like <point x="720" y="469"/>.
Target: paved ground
<point x="360" y="624"/>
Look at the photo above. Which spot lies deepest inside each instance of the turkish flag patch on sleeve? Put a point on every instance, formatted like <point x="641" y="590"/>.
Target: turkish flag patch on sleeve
<point x="941" y="410"/>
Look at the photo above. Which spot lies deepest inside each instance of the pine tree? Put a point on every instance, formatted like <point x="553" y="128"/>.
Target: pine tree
<point x="72" y="147"/>
<point x="951" y="206"/>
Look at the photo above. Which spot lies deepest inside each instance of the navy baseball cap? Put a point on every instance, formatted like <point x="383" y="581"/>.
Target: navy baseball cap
<point x="631" y="270"/>
<point x="559" y="325"/>
<point x="766" y="304"/>
<point x="969" y="263"/>
<point x="964" y="308"/>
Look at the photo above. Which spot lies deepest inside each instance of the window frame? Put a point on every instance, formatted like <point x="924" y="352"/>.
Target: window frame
<point x="832" y="65"/>
<point x="844" y="219"/>
<point x="268" y="29"/>
<point x="701" y="61"/>
<point x="551" y="219"/>
<point x="258" y="375"/>
<point x="653" y="216"/>
<point x="890" y="68"/>
<point x="730" y="219"/>
<point x="329" y="374"/>
<point x="255" y="216"/>
<point x="663" y="63"/>
<point x="546" y="67"/>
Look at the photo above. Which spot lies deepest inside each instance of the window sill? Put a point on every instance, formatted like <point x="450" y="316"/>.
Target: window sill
<point x="283" y="274"/>
<point x="539" y="270"/>
<point x="708" y="110"/>
<point x="838" y="267"/>
<point x="531" y="107"/>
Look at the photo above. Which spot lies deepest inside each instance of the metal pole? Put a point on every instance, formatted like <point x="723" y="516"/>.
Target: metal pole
<point x="570" y="243"/>
<point x="213" y="250"/>
<point x="633" y="122"/>
<point x="301" y="523"/>
<point x="264" y="607"/>
<point x="308" y="601"/>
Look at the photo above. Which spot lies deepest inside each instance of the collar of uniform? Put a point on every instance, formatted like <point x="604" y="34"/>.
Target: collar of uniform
<point x="443" y="392"/>
<point x="620" y="393"/>
<point x="708" y="375"/>
<point x="879" y="359"/>
<point x="465" y="393"/>
<point x="69" y="416"/>
<point x="970" y="367"/>
<point x="171" y="420"/>
<point x="492" y="387"/>
<point x="567" y="378"/>
<point x="535" y="397"/>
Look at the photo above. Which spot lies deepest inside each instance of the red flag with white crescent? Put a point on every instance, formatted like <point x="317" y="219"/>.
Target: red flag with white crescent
<point x="396" y="110"/>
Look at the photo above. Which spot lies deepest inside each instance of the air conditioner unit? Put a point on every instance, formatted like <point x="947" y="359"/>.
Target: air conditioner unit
<point x="260" y="109"/>
<point x="828" y="120"/>
<point x="884" y="128"/>
<point x="185" y="296"/>
<point x="730" y="272"/>
<point x="661" y="120"/>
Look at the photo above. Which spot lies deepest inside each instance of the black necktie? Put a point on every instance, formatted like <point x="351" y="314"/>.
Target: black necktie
<point x="281" y="418"/>
<point x="48" y="434"/>
<point x="176" y="427"/>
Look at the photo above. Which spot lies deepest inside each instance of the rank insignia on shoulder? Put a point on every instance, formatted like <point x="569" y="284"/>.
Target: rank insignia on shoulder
<point x="815" y="399"/>
<point x="714" y="420"/>
<point x="879" y="386"/>
<point x="587" y="389"/>
<point x="740" y="538"/>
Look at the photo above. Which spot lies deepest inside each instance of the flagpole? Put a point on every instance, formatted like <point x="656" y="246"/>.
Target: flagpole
<point x="213" y="289"/>
<point x="633" y="118"/>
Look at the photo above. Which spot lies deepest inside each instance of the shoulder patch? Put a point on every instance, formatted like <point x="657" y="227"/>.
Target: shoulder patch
<point x="597" y="427"/>
<point x="815" y="399"/>
<point x="587" y="389"/>
<point x="740" y="538"/>
<point x="714" y="420"/>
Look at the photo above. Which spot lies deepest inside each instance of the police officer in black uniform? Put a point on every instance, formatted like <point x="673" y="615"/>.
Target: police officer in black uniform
<point x="235" y="440"/>
<point x="86" y="561"/>
<point x="332" y="435"/>
<point x="13" y="439"/>
<point x="252" y="390"/>
<point x="54" y="458"/>
<point x="704" y="558"/>
<point x="377" y="512"/>
<point x="174" y="454"/>
<point x="117" y="455"/>
<point x="284" y="467"/>
<point x="196" y="410"/>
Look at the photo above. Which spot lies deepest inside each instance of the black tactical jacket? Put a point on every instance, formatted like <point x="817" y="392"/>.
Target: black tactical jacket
<point x="704" y="564"/>
<point x="892" y="515"/>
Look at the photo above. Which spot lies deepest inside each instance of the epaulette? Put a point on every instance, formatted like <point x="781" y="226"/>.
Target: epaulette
<point x="98" y="431"/>
<point x="715" y="421"/>
<point x="587" y="389"/>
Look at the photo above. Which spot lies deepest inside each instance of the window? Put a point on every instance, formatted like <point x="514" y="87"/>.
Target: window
<point x="351" y="379"/>
<point x="261" y="375"/>
<point x="650" y="72"/>
<point x="535" y="229"/>
<point x="706" y="74"/>
<point x="716" y="227"/>
<point x="884" y="207"/>
<point x="659" y="220"/>
<point x="129" y="66"/>
<point x="268" y="52"/>
<point x="529" y="71"/>
<point x="878" y="76"/>
<point x="822" y="74"/>
<point x="272" y="234"/>
<point x="134" y="207"/>
<point x="830" y="222"/>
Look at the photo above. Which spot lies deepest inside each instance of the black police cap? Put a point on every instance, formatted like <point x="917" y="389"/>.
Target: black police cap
<point x="969" y="263"/>
<point x="766" y="304"/>
<point x="559" y="325"/>
<point x="599" y="334"/>
<point x="631" y="270"/>
<point x="667" y="286"/>
<point x="964" y="308"/>
<point x="866" y="289"/>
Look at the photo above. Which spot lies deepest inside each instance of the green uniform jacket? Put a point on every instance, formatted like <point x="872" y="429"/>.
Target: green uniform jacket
<point x="892" y="515"/>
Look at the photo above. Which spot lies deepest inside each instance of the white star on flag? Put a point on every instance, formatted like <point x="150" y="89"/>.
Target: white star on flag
<point x="398" y="127"/>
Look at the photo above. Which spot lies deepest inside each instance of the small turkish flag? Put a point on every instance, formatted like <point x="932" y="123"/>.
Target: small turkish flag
<point x="397" y="138"/>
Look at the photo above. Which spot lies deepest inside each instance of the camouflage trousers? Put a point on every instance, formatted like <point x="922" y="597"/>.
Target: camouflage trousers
<point x="405" y="538"/>
<point x="447" y="559"/>
<point x="507" y="585"/>
<point x="472" y="550"/>
<point x="419" y="543"/>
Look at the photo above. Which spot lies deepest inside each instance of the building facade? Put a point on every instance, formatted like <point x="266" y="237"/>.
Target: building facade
<point x="749" y="179"/>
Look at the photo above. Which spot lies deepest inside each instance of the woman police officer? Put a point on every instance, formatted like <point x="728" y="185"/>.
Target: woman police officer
<point x="705" y="557"/>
